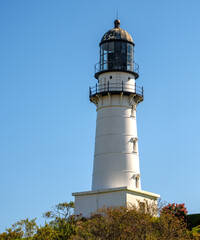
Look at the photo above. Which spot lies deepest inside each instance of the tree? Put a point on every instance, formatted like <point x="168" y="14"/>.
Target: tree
<point x="196" y="232"/>
<point x="178" y="210"/>
<point x="126" y="222"/>
<point x="61" y="210"/>
<point x="61" y="226"/>
<point x="168" y="226"/>
<point x="112" y="223"/>
<point x="62" y="220"/>
<point x="26" y="226"/>
<point x="22" y="229"/>
<point x="46" y="233"/>
<point x="130" y="222"/>
<point x="10" y="235"/>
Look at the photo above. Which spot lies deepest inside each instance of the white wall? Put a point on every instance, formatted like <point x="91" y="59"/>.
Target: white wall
<point x="88" y="202"/>
<point x="116" y="161"/>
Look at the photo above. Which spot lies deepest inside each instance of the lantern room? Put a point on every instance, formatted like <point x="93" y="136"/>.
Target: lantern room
<point x="116" y="52"/>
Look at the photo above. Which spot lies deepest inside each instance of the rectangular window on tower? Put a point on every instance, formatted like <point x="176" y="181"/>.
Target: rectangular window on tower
<point x="134" y="140"/>
<point x="133" y="111"/>
<point x="137" y="181"/>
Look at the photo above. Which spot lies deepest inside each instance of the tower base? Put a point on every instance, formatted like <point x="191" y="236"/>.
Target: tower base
<point x="90" y="201"/>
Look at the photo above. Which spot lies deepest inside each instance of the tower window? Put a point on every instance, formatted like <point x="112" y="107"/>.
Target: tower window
<point x="110" y="77"/>
<point x="137" y="181"/>
<point x="134" y="144"/>
<point x="133" y="111"/>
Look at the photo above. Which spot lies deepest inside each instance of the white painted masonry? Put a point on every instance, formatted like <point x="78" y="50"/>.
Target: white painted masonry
<point x="88" y="202"/>
<point x="116" y="158"/>
<point x="116" y="169"/>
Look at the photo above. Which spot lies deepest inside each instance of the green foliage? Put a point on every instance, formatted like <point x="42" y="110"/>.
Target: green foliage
<point x="196" y="232"/>
<point x="131" y="223"/>
<point x="26" y="227"/>
<point x="112" y="223"/>
<point x="169" y="226"/>
<point x="60" y="211"/>
<point x="62" y="220"/>
<point x="10" y="235"/>
<point x="46" y="233"/>
<point x="22" y="229"/>
<point x="196" y="229"/>
<point x="62" y="225"/>
<point x="194" y="220"/>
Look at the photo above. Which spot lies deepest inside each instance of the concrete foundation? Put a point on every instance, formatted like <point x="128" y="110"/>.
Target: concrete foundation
<point x="90" y="201"/>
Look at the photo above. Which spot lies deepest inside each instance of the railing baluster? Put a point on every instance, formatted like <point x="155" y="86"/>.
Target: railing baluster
<point x="117" y="86"/>
<point x="90" y="91"/>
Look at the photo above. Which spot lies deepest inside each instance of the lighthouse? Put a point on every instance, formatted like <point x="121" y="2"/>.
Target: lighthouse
<point x="116" y="179"/>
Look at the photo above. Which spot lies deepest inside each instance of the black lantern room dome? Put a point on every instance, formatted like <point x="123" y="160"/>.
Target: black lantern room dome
<point x="116" y="52"/>
<point x="117" y="34"/>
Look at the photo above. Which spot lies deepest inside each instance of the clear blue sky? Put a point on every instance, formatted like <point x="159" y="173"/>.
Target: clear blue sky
<point x="47" y="124"/>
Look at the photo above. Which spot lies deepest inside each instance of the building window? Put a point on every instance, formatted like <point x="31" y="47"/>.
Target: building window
<point x="137" y="181"/>
<point x="133" y="111"/>
<point x="134" y="140"/>
<point x="110" y="77"/>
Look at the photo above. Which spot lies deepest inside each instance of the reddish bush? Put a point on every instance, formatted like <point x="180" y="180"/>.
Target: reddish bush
<point x="178" y="210"/>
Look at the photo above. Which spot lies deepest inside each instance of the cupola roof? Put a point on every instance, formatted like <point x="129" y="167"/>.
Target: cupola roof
<point x="116" y="34"/>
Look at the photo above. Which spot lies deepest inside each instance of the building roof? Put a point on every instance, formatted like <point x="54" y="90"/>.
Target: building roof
<point x="117" y="34"/>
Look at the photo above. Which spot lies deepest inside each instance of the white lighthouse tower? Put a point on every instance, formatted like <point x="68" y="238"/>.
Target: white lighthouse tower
<point x="116" y="170"/>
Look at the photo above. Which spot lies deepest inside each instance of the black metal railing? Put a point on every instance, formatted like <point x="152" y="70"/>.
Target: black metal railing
<point x="116" y="88"/>
<point x="116" y="65"/>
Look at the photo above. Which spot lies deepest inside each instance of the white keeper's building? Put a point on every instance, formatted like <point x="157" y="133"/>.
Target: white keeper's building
<point x="116" y="177"/>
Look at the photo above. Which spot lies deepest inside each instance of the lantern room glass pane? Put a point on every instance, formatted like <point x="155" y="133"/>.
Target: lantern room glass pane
<point x="111" y="47"/>
<point x="116" y="55"/>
